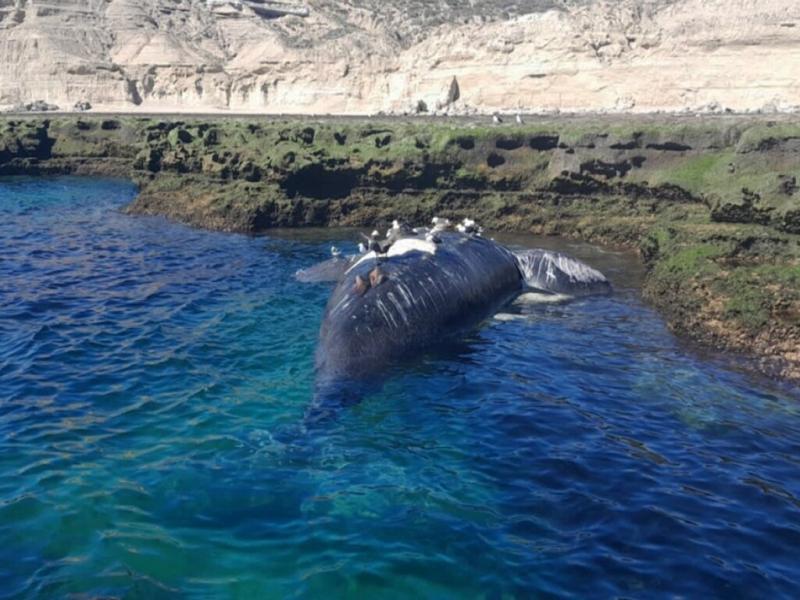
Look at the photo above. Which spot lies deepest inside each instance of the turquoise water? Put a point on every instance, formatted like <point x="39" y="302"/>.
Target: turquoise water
<point x="153" y="384"/>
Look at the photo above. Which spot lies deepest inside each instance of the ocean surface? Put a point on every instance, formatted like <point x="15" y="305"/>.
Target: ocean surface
<point x="154" y="381"/>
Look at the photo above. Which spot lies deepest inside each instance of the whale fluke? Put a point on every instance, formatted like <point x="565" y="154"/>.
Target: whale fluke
<point x="558" y="273"/>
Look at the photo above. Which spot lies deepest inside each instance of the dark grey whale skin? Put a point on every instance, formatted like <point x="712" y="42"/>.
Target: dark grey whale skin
<point x="424" y="299"/>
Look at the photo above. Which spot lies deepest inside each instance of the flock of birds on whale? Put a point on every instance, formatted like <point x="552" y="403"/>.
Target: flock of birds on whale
<point x="546" y="271"/>
<point x="400" y="230"/>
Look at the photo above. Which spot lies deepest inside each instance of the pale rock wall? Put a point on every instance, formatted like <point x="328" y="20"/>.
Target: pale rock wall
<point x="370" y="56"/>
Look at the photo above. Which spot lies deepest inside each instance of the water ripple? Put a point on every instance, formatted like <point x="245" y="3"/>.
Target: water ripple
<point x="153" y="383"/>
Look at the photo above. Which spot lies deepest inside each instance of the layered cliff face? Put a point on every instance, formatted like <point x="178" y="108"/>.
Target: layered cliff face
<point x="348" y="56"/>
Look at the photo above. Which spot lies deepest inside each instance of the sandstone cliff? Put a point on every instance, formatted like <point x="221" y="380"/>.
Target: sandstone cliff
<point x="349" y="56"/>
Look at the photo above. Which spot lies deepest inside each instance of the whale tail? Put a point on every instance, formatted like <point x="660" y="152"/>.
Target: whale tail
<point x="558" y="273"/>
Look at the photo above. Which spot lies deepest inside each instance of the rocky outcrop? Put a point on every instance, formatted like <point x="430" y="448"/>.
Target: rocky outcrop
<point x="710" y="202"/>
<point x="343" y="56"/>
<point x="38" y="106"/>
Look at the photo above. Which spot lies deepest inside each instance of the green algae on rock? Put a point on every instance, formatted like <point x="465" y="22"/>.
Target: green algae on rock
<point x="712" y="203"/>
<point x="735" y="287"/>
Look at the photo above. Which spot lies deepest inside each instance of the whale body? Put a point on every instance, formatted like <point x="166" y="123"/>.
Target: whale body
<point x="388" y="307"/>
<point x="423" y="297"/>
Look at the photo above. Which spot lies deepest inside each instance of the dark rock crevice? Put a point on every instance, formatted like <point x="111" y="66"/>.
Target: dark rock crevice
<point x="495" y="160"/>
<point x="321" y="182"/>
<point x="669" y="147"/>
<point x="509" y="143"/>
<point x="543" y="142"/>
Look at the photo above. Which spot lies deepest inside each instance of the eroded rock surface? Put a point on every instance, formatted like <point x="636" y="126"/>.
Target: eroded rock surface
<point x="348" y="56"/>
<point x="711" y="203"/>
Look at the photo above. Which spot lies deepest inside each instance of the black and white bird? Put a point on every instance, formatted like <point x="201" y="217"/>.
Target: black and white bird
<point x="497" y="119"/>
<point x="398" y="231"/>
<point x="372" y="242"/>
<point x="519" y="119"/>
<point x="376" y="245"/>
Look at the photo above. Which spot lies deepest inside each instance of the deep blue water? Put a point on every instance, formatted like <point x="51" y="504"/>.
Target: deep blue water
<point x="153" y="382"/>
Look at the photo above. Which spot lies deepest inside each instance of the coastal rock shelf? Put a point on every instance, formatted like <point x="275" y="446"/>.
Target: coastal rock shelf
<point x="712" y="204"/>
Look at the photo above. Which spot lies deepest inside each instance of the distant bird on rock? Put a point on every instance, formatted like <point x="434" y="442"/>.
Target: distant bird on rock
<point x="519" y="119"/>
<point x="496" y="119"/>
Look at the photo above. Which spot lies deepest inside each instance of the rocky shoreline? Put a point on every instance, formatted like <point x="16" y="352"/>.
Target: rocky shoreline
<point x="712" y="204"/>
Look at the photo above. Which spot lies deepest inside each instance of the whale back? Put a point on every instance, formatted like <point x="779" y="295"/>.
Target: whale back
<point x="383" y="310"/>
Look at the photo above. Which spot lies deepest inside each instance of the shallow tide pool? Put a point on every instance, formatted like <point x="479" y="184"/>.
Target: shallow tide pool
<point x="153" y="386"/>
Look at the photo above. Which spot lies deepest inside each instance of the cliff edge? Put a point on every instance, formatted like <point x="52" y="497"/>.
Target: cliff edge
<point x="348" y="56"/>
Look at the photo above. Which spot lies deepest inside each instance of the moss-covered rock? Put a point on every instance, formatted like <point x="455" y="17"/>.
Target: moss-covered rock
<point x="730" y="286"/>
<point x="712" y="204"/>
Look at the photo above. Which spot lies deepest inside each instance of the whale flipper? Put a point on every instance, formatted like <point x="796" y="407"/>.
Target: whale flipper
<point x="558" y="273"/>
<point x="328" y="271"/>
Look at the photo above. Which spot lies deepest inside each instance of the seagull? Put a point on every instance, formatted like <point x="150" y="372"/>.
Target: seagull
<point x="399" y="229"/>
<point x="519" y="119"/>
<point x="440" y="224"/>
<point x="372" y="243"/>
<point x="375" y="245"/>
<point x="469" y="227"/>
<point x="496" y="119"/>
